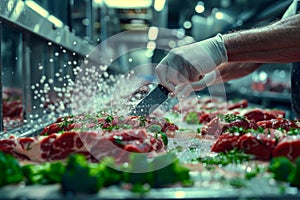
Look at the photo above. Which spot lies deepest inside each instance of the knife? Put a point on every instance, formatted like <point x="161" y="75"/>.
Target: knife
<point x="154" y="99"/>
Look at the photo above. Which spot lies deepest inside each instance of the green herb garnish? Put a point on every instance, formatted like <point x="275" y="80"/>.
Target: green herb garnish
<point x="234" y="156"/>
<point x="231" y="117"/>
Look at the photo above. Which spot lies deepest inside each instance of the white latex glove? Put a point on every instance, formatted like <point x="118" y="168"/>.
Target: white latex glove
<point x="223" y="73"/>
<point x="188" y="64"/>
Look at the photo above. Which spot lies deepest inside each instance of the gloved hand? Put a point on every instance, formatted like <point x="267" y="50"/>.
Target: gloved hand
<point x="188" y="64"/>
<point x="223" y="73"/>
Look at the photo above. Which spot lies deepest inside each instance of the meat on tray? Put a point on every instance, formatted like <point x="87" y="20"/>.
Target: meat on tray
<point x="94" y="137"/>
<point x="264" y="140"/>
<point x="263" y="133"/>
<point x="93" y="144"/>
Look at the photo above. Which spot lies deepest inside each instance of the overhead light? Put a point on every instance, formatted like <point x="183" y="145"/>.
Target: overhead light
<point x="187" y="24"/>
<point x="219" y="15"/>
<point x="199" y="8"/>
<point x="37" y="8"/>
<point x="19" y="8"/>
<point x="128" y="3"/>
<point x="98" y="2"/>
<point x="152" y="33"/>
<point x="159" y="5"/>
<point x="55" y="21"/>
<point x="151" y="45"/>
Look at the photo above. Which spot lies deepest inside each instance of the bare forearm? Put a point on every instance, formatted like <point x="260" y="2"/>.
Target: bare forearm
<point x="279" y="42"/>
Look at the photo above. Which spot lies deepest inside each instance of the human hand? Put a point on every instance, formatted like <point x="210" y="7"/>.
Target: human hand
<point x="223" y="73"/>
<point x="188" y="64"/>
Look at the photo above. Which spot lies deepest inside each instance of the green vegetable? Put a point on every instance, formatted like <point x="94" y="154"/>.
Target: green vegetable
<point x="46" y="173"/>
<point x="110" y="174"/>
<point x="192" y="118"/>
<point x="281" y="167"/>
<point x="231" y="117"/>
<point x="168" y="171"/>
<point x="81" y="177"/>
<point x="294" y="176"/>
<point x="11" y="171"/>
<point x="294" y="131"/>
<point x="143" y="121"/>
<point x="237" y="182"/>
<point x="224" y="158"/>
<point x="139" y="170"/>
<point x="164" y="138"/>
<point x="109" y="118"/>
<point x="253" y="173"/>
<point x="161" y="171"/>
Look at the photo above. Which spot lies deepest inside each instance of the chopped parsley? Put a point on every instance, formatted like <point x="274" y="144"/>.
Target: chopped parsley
<point x="293" y="131"/>
<point x="65" y="123"/>
<point x="143" y="121"/>
<point x="224" y="158"/>
<point x="231" y="117"/>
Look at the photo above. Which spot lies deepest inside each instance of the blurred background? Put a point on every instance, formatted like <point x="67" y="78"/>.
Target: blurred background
<point x="43" y="44"/>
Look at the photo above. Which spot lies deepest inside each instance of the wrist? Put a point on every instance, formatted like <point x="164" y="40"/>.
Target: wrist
<point x="215" y="51"/>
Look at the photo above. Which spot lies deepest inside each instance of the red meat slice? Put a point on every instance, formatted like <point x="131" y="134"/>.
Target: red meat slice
<point x="240" y="104"/>
<point x="260" y="145"/>
<point x="288" y="147"/>
<point x="12" y="108"/>
<point x="218" y="126"/>
<point x="46" y="145"/>
<point x="119" y="144"/>
<point x="66" y="144"/>
<point x="35" y="149"/>
<point x="255" y="114"/>
<point x="261" y="115"/>
<point x="57" y="127"/>
<point x="7" y="145"/>
<point x="225" y="142"/>
<point x="285" y="124"/>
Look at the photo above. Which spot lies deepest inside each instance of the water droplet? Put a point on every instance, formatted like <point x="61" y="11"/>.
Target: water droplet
<point x="51" y="60"/>
<point x="49" y="43"/>
<point x="64" y="51"/>
<point x="41" y="67"/>
<point x="130" y="60"/>
<point x="74" y="42"/>
<point x="50" y="81"/>
<point x="105" y="74"/>
<point x="56" y="54"/>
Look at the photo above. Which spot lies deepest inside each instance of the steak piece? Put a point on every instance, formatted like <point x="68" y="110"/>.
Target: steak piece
<point x="36" y="149"/>
<point x="289" y="147"/>
<point x="258" y="114"/>
<point x="7" y="145"/>
<point x="260" y="145"/>
<point x="66" y="144"/>
<point x="119" y="144"/>
<point x="277" y="123"/>
<point x="222" y="123"/>
<point x="226" y="142"/>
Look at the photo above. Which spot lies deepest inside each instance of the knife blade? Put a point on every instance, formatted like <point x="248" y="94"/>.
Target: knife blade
<point x="154" y="99"/>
